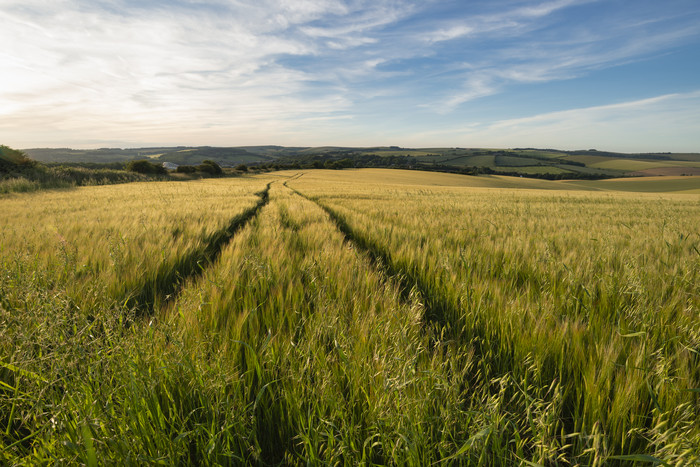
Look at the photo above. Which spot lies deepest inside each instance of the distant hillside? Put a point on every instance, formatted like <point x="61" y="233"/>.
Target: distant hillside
<point x="564" y="164"/>
<point x="103" y="155"/>
<point x="527" y="162"/>
<point x="224" y="156"/>
<point x="177" y="155"/>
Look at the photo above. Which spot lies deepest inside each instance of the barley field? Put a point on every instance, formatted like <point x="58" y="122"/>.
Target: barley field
<point x="370" y="317"/>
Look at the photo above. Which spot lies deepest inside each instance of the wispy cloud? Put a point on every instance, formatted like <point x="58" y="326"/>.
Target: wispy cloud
<point x="510" y="21"/>
<point x="243" y="71"/>
<point x="541" y="50"/>
<point x="99" y="64"/>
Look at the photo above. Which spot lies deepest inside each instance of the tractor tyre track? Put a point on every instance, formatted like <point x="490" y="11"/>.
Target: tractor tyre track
<point x="437" y="309"/>
<point x="166" y="284"/>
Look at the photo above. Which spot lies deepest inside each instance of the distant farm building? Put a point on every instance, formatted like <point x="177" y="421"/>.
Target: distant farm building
<point x="170" y="165"/>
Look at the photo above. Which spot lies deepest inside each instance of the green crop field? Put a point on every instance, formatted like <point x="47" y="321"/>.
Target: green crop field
<point x="589" y="160"/>
<point x="473" y="161"/>
<point x="367" y="316"/>
<point x="630" y="165"/>
<point x="689" y="185"/>
<point x="536" y="169"/>
<point x="510" y="161"/>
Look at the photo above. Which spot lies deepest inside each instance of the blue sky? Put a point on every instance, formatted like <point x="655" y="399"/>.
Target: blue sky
<point x="618" y="75"/>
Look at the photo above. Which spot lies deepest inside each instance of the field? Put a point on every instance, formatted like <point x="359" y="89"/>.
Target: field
<point x="632" y="165"/>
<point x="352" y="317"/>
<point x="688" y="185"/>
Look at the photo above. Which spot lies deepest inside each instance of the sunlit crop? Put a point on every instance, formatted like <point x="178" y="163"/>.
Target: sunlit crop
<point x="348" y="317"/>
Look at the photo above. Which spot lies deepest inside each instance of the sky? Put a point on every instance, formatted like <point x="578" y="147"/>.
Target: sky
<point x="619" y="75"/>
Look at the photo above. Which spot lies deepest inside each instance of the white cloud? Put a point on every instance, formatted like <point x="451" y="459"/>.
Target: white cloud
<point x="477" y="85"/>
<point x="513" y="21"/>
<point x="450" y="32"/>
<point x="547" y="8"/>
<point x="83" y="69"/>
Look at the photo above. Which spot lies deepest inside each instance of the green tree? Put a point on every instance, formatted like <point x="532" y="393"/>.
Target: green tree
<point x="210" y="167"/>
<point x="186" y="169"/>
<point x="145" y="167"/>
<point x="12" y="159"/>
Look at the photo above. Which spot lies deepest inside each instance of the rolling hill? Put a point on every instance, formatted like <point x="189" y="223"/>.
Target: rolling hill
<point x="526" y="162"/>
